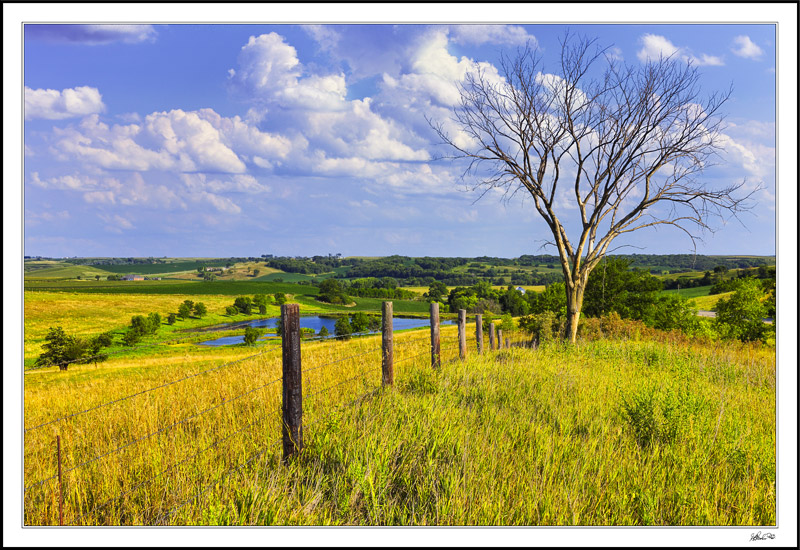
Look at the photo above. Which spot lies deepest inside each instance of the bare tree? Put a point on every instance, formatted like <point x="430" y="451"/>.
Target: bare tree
<point x="621" y="146"/>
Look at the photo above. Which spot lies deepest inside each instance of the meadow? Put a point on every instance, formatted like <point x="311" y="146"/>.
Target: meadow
<point x="614" y="431"/>
<point x="627" y="427"/>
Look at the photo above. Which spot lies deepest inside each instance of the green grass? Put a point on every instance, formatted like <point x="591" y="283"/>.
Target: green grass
<point x="613" y="432"/>
<point x="689" y="293"/>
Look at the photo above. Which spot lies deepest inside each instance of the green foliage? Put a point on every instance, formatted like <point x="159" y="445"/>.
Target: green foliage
<point x="437" y="291"/>
<point x="171" y="318"/>
<point x="507" y="323"/>
<point x="262" y="309"/>
<point x="251" y="334"/>
<point x="543" y="327"/>
<point x="59" y="347"/>
<point x="657" y="415"/>
<point x="360" y="322"/>
<point x="552" y="299"/>
<point x="323" y="332"/>
<point x="342" y="328"/>
<point x="741" y="315"/>
<point x="153" y="323"/>
<point x="184" y="311"/>
<point x="200" y="309"/>
<point x="280" y="298"/>
<point x="331" y="291"/>
<point x="244" y="304"/>
<point x="612" y="286"/>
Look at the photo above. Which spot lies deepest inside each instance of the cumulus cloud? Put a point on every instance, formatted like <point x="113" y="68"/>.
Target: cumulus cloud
<point x="179" y="141"/>
<point x="269" y="70"/>
<point x="91" y="34"/>
<point x="68" y="103"/>
<point x="492" y="34"/>
<point x="655" y="46"/>
<point x="744" y="47"/>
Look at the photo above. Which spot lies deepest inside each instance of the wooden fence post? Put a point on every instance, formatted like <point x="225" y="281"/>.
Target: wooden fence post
<point x="462" y="334"/>
<point x="436" y="359"/>
<point x="479" y="331"/>
<point x="491" y="336"/>
<point x="508" y="344"/>
<point x="292" y="381"/>
<point x="499" y="338"/>
<point x="387" y="343"/>
<point x="60" y="486"/>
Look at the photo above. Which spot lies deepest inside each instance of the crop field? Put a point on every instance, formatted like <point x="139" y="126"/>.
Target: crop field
<point x="617" y="431"/>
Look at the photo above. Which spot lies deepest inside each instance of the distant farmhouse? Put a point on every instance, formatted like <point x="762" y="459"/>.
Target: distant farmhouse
<point x="522" y="290"/>
<point x="132" y="278"/>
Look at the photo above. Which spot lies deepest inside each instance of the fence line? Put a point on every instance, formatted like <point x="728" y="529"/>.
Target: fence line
<point x="95" y="459"/>
<point x="163" y="517"/>
<point x="292" y="425"/>
<point x="212" y="369"/>
<point x="175" y="465"/>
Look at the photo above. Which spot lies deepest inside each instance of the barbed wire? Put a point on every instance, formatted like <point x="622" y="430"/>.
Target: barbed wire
<point x="424" y="353"/>
<point x="212" y="369"/>
<point x="228" y="474"/>
<point x="373" y="350"/>
<point x="340" y="406"/>
<point x="360" y="375"/>
<point x="184" y="460"/>
<point x="162" y="430"/>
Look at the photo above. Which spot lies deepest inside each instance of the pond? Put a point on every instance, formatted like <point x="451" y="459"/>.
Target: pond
<point x="312" y="322"/>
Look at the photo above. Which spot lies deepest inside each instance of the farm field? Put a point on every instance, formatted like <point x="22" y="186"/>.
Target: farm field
<point x="619" y="431"/>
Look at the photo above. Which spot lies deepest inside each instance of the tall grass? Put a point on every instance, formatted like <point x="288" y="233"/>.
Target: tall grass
<point x="606" y="432"/>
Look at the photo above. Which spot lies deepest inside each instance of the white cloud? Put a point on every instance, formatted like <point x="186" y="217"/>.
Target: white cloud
<point x="57" y="105"/>
<point x="116" y="223"/>
<point x="324" y="35"/>
<point x="181" y="141"/>
<point x="744" y="47"/>
<point x="493" y="34"/>
<point x="92" y="34"/>
<point x="268" y="70"/>
<point x="655" y="46"/>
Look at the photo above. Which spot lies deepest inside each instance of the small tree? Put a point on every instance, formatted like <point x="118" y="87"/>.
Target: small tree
<point x="171" y="318"/>
<point x="244" y="304"/>
<point x="323" y="332"/>
<point x="251" y="334"/>
<point x="262" y="309"/>
<point x="184" y="311"/>
<point x="153" y="323"/>
<point x="200" y="309"/>
<point x="360" y="322"/>
<point x="742" y="315"/>
<point x="231" y="310"/>
<point x="342" y="328"/>
<point x="59" y="347"/>
<point x="280" y="298"/>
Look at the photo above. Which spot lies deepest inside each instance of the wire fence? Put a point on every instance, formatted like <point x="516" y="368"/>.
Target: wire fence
<point x="117" y="489"/>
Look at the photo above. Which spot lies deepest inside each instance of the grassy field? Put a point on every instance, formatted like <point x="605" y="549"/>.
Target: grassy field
<point x="89" y="308"/>
<point x="607" y="432"/>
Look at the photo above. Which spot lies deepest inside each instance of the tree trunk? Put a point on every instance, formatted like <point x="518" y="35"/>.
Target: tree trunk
<point x="574" y="305"/>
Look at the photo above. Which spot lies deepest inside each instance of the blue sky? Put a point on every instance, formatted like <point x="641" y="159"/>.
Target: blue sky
<point x="221" y="140"/>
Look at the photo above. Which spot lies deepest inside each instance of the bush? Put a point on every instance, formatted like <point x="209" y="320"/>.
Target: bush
<point x="244" y="304"/>
<point x="544" y="327"/>
<point x="251" y="334"/>
<point x="342" y="329"/>
<point x="171" y="318"/>
<point x="657" y="415"/>
<point x="742" y="315"/>
<point x="231" y="310"/>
